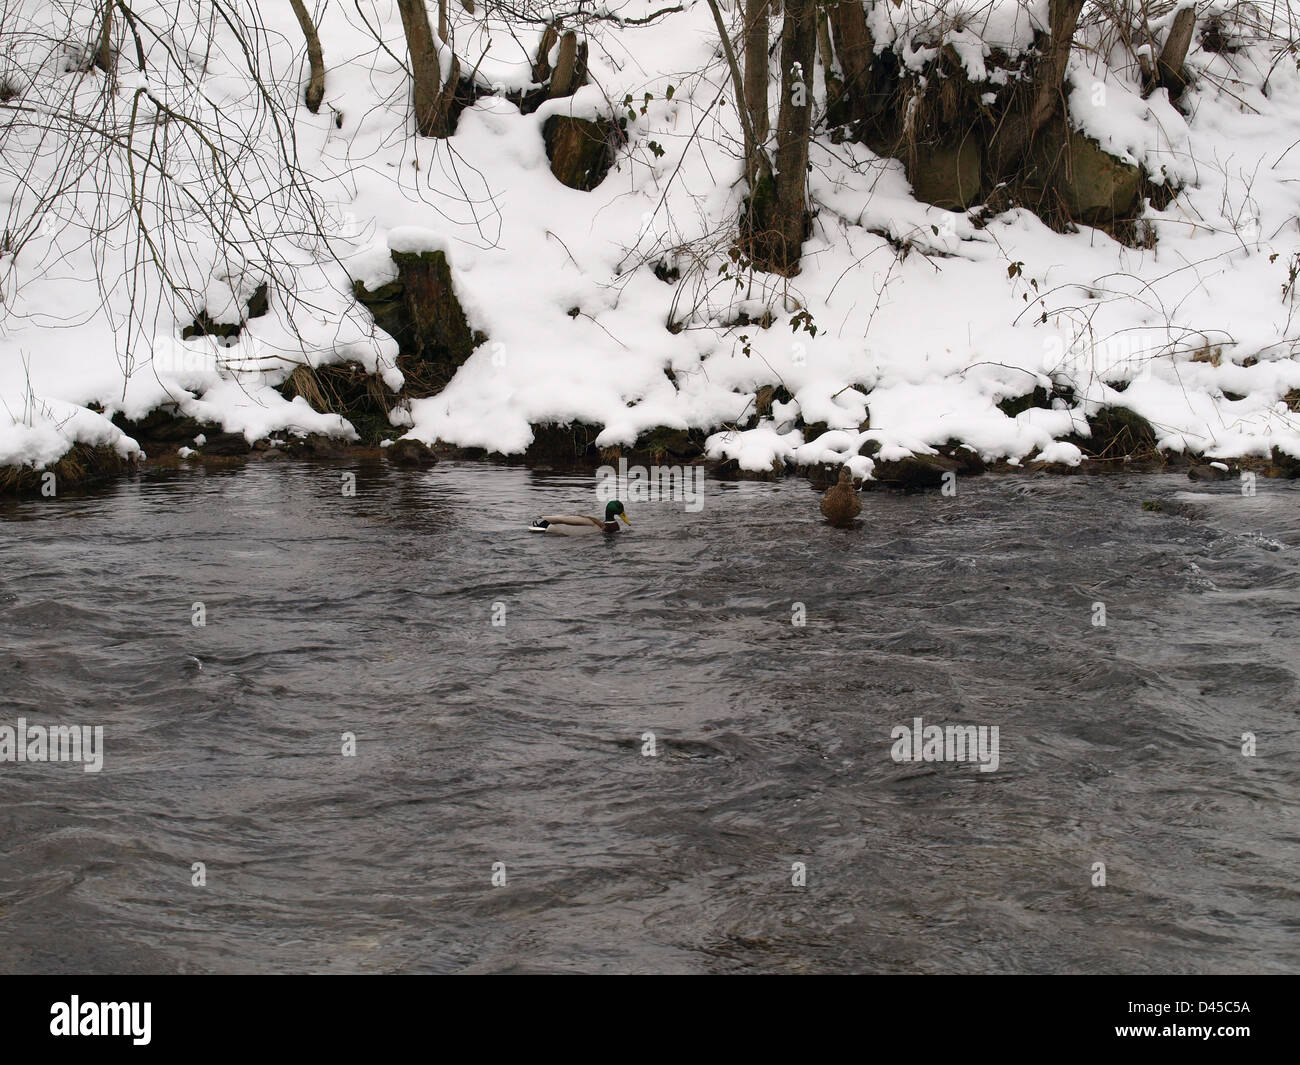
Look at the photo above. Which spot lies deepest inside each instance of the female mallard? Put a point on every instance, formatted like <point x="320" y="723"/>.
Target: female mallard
<point x="574" y="524"/>
<point x="840" y="504"/>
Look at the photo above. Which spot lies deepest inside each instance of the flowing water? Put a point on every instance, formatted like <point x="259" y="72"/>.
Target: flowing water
<point x="524" y="743"/>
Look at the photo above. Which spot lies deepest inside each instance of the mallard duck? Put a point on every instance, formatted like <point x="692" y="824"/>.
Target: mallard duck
<point x="574" y="524"/>
<point x="840" y="504"/>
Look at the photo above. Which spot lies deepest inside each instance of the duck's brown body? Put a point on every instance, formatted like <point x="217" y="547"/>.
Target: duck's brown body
<point x="840" y="504"/>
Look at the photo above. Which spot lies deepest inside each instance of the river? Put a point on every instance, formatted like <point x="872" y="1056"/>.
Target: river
<point x="662" y="771"/>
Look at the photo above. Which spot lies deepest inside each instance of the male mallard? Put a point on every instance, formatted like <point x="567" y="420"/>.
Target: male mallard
<point x="840" y="504"/>
<point x="573" y="524"/>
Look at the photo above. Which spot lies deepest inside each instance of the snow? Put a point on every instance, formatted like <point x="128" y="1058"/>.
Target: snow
<point x="1061" y="451"/>
<point x="920" y="327"/>
<point x="415" y="240"/>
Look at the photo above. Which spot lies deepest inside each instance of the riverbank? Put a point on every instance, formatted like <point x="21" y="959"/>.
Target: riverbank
<point x="460" y="292"/>
<point x="572" y="449"/>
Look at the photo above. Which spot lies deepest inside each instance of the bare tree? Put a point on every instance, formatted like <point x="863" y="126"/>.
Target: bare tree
<point x="786" y="222"/>
<point x="756" y="72"/>
<point x="315" y="91"/>
<point x="104" y="58"/>
<point x="776" y="220"/>
<point x="855" y="49"/>
<point x="776" y="216"/>
<point x="433" y="95"/>
<point x="191" y="208"/>
<point x="757" y="165"/>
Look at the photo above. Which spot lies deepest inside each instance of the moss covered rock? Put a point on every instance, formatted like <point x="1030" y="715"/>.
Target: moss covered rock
<point x="164" y="426"/>
<point x="663" y="444"/>
<point x="947" y="175"/>
<point x="916" y="471"/>
<point x="410" y="452"/>
<point x="1094" y="186"/>
<point x="421" y="312"/>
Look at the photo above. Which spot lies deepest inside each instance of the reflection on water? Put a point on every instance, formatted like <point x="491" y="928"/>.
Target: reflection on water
<point x="523" y="743"/>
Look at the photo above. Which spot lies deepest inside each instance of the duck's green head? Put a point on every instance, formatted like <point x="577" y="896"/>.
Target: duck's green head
<point x="615" y="508"/>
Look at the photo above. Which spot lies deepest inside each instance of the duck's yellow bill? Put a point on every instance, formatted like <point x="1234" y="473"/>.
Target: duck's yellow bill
<point x="625" y="521"/>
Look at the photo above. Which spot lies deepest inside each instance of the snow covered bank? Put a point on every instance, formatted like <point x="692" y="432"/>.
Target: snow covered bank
<point x="908" y="326"/>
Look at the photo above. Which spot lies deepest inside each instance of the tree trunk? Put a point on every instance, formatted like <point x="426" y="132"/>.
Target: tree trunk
<point x="855" y="49"/>
<point x="570" y="72"/>
<point x="755" y="157"/>
<point x="1045" y="95"/>
<point x="1169" y="67"/>
<point x="756" y="70"/>
<point x="104" y="58"/>
<point x="542" y="68"/>
<point x="315" y="91"/>
<point x="782" y="217"/>
<point x="834" y="84"/>
<point x="433" y="99"/>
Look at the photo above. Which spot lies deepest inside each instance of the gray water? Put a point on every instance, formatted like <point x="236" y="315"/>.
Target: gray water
<point x="522" y="744"/>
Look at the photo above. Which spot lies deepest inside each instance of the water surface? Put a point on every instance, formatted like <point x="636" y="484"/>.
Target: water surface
<point x="522" y="744"/>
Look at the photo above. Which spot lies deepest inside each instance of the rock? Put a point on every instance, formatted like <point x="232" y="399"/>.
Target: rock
<point x="258" y="304"/>
<point x="318" y="446"/>
<point x="823" y="475"/>
<point x="410" y="452"/>
<point x="1014" y="405"/>
<point x="948" y="175"/>
<point x="163" y="425"/>
<point x="723" y="470"/>
<point x="421" y="312"/>
<point x="730" y="470"/>
<point x="1207" y="473"/>
<point x="581" y="150"/>
<point x="387" y="304"/>
<point x="1283" y="465"/>
<point x="916" y="471"/>
<point x="663" y="443"/>
<point x="564" y="444"/>
<point x="1095" y="186"/>
<point x="226" y="444"/>
<point x="970" y="462"/>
